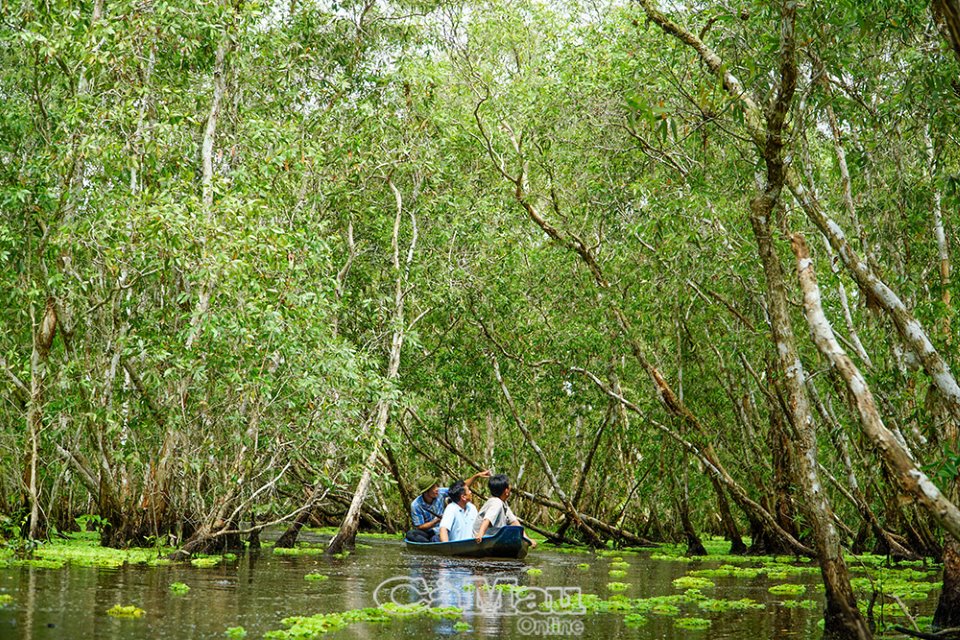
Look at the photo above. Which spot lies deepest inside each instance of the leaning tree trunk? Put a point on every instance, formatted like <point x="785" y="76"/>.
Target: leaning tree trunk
<point x="42" y="340"/>
<point x="842" y="619"/>
<point x="347" y="533"/>
<point x="900" y="465"/>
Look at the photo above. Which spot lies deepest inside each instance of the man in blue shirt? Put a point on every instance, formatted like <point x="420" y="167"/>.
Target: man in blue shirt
<point x="458" y="517"/>
<point x="427" y="508"/>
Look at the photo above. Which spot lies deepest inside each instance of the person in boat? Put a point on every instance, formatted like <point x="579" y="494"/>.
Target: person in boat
<point x="458" y="517"/>
<point x="426" y="510"/>
<point x="495" y="512"/>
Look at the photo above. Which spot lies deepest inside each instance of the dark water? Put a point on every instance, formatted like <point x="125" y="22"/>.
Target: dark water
<point x="259" y="590"/>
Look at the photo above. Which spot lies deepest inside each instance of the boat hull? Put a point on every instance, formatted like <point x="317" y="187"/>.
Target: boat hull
<point x="507" y="543"/>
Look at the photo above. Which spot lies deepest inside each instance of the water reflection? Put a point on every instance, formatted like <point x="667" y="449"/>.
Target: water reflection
<point x="259" y="590"/>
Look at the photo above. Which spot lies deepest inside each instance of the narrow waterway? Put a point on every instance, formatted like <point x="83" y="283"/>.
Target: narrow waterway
<point x="257" y="591"/>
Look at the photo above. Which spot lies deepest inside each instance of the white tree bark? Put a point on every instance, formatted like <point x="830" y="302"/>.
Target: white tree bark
<point x="911" y="331"/>
<point x="911" y="478"/>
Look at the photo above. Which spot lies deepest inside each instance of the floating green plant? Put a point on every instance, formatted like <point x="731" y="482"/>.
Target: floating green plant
<point x="616" y="555"/>
<point x="534" y="572"/>
<point x="305" y="628"/>
<point x="788" y="589"/>
<point x="235" y="633"/>
<point x="583" y="566"/>
<point x="691" y="623"/>
<point x="379" y="536"/>
<point x="41" y="563"/>
<point x="316" y="577"/>
<point x="692" y="582"/>
<point x="129" y="611"/>
<point x="669" y="558"/>
<point x="229" y="557"/>
<point x="744" y="604"/>
<point x="470" y="587"/>
<point x="664" y="609"/>
<point x="619" y="564"/>
<point x="84" y="549"/>
<point x="461" y="627"/>
<point x="617" y="573"/>
<point x="634" y="620"/>
<point x="205" y="562"/>
<point x="360" y="545"/>
<point x="341" y="555"/>
<point x="507" y="587"/>
<point x="727" y="571"/>
<point x="801" y="604"/>
<point x="5" y="599"/>
<point x="299" y="551"/>
<point x="571" y="549"/>
<point x="617" y="586"/>
<point x="179" y="588"/>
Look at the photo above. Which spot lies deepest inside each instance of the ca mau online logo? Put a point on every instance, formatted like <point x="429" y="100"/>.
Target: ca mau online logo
<point x="477" y="594"/>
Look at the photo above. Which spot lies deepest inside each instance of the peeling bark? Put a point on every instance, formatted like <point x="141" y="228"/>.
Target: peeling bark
<point x="901" y="466"/>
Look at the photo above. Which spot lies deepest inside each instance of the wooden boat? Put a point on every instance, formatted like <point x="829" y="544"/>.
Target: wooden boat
<point x="506" y="543"/>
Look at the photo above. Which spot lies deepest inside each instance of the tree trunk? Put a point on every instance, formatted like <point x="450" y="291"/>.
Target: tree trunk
<point x="730" y="528"/>
<point x="842" y="619"/>
<point x="947" y="614"/>
<point x="43" y="335"/>
<point x="347" y="532"/>
<point x="901" y="466"/>
<point x="694" y="544"/>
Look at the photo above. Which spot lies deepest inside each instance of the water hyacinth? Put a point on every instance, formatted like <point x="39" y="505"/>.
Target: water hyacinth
<point x="692" y="582"/>
<point x="788" y="589"/>
<point x="307" y="627"/>
<point x="128" y="611"/>
<point x="691" y="623"/>
<point x="316" y="577"/>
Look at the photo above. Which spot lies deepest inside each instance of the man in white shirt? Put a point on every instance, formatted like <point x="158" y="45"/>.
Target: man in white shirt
<point x="495" y="512"/>
<point x="460" y="514"/>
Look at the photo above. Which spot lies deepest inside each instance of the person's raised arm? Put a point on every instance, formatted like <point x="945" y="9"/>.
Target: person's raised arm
<point x="444" y="535"/>
<point x="481" y="474"/>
